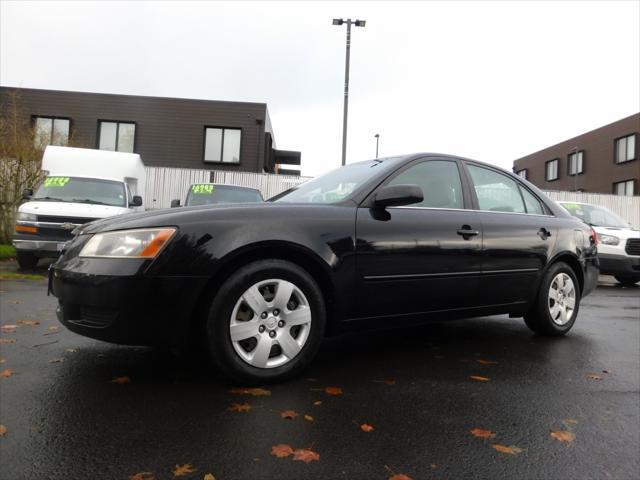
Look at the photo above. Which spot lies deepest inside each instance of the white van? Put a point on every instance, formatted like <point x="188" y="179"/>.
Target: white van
<point x="81" y="185"/>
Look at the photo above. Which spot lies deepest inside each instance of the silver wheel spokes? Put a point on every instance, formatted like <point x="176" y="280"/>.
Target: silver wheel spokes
<point x="562" y="299"/>
<point x="270" y="323"/>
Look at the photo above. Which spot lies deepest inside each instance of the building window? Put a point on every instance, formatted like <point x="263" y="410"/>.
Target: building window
<point x="222" y="145"/>
<point x="551" y="170"/>
<point x="51" y="131"/>
<point x="625" y="188"/>
<point x="576" y="164"/>
<point x="626" y="149"/>
<point x="522" y="173"/>
<point x="117" y="136"/>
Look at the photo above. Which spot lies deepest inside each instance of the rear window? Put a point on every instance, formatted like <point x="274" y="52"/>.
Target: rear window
<point x="206" y="193"/>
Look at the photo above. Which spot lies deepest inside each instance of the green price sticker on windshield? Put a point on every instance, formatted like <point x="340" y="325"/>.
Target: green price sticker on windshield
<point x="202" y="189"/>
<point x="56" y="181"/>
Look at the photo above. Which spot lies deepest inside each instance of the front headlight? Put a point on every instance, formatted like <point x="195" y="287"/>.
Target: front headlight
<point x="142" y="243"/>
<point x="608" y="239"/>
<point x="26" y="217"/>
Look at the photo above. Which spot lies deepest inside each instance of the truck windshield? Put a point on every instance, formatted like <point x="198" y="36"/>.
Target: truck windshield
<point x="595" y="215"/>
<point x="206" y="193"/>
<point x="82" y="190"/>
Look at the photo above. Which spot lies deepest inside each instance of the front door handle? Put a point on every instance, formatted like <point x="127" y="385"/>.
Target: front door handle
<point x="467" y="233"/>
<point x="543" y="233"/>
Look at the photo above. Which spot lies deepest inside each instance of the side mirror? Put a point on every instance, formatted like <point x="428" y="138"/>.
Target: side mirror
<point x="27" y="193"/>
<point x="175" y="203"/>
<point x="398" y="195"/>
<point x="136" y="201"/>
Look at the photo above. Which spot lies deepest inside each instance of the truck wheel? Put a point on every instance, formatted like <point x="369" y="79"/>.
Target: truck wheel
<point x="628" y="281"/>
<point x="28" y="261"/>
<point x="555" y="309"/>
<point x="266" y="322"/>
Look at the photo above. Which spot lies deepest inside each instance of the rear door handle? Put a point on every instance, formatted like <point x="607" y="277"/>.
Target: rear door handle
<point x="467" y="233"/>
<point x="543" y="233"/>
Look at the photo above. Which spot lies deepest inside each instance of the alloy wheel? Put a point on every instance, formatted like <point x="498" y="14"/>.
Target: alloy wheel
<point x="561" y="299"/>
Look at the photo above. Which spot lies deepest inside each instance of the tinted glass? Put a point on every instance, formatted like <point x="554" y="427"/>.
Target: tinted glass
<point x="60" y="132"/>
<point x="204" y="194"/>
<point x="108" y="132"/>
<point x="213" y="145"/>
<point x="126" y="137"/>
<point x="82" y="190"/>
<point x="496" y="192"/>
<point x="439" y="181"/>
<point x="42" y="132"/>
<point x="594" y="215"/>
<point x="532" y="203"/>
<point x="231" y="149"/>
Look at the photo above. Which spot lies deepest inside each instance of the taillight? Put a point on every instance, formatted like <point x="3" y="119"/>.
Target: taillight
<point x="594" y="237"/>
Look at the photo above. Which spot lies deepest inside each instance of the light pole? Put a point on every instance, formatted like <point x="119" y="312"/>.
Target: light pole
<point x="357" y="23"/>
<point x="377" y="135"/>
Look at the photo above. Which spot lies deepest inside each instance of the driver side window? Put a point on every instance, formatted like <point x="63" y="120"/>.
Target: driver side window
<point x="439" y="181"/>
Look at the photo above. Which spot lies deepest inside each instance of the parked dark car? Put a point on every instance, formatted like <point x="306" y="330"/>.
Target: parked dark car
<point x="212" y="193"/>
<point x="380" y="243"/>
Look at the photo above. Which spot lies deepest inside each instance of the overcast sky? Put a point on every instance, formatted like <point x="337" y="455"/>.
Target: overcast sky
<point x="488" y="80"/>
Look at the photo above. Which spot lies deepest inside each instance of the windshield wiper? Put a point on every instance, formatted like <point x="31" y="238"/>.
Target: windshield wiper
<point x="51" y="199"/>
<point x="88" y="200"/>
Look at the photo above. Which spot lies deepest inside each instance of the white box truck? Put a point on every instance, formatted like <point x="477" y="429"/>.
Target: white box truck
<point x="80" y="185"/>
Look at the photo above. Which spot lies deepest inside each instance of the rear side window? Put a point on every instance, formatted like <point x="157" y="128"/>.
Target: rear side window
<point x="439" y="181"/>
<point x="532" y="203"/>
<point x="496" y="192"/>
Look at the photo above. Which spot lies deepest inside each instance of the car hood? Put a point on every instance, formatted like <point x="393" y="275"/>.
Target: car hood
<point x="621" y="233"/>
<point x="69" y="209"/>
<point x="196" y="214"/>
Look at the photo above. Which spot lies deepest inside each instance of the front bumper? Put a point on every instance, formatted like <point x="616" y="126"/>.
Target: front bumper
<point x="41" y="248"/>
<point x="114" y="301"/>
<point x="621" y="265"/>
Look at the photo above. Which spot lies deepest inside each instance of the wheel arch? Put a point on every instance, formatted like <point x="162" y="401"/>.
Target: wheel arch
<point x="573" y="262"/>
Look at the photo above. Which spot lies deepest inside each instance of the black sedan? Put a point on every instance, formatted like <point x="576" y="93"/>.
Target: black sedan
<point x="380" y="243"/>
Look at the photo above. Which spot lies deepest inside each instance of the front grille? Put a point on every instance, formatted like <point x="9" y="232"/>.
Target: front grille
<point x="56" y="219"/>
<point x="633" y="246"/>
<point x="96" y="316"/>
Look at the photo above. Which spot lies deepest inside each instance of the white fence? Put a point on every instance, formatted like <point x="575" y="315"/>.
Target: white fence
<point x="627" y="207"/>
<point x="165" y="184"/>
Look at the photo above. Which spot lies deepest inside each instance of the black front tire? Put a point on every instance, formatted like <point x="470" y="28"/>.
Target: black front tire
<point x="221" y="309"/>
<point x="628" y="281"/>
<point x="28" y="261"/>
<point x="538" y="318"/>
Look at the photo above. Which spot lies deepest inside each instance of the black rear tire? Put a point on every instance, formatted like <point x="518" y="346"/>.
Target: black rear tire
<point x="538" y="318"/>
<point x="628" y="281"/>
<point x="28" y="261"/>
<point x="217" y="326"/>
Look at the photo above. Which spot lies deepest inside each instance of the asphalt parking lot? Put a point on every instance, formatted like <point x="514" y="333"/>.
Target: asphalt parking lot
<point x="482" y="398"/>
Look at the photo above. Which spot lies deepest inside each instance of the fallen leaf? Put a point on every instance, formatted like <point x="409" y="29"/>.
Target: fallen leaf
<point x="312" y="379"/>
<point x="390" y="381"/>
<point x="282" y="450"/>
<point x="512" y="450"/>
<point x="333" y="390"/>
<point x="8" y="328"/>
<point x="121" y="380"/>
<point x="480" y="433"/>
<point x="434" y="466"/>
<point x="53" y="329"/>
<point x="7" y="340"/>
<point x="7" y="372"/>
<point x="365" y="427"/>
<point x="594" y="376"/>
<point x="182" y="470"/>
<point x="570" y="421"/>
<point x="479" y="379"/>
<point x="143" y="476"/>
<point x="256" y="392"/>
<point x="318" y="402"/>
<point x="400" y="476"/>
<point x="15" y="302"/>
<point x="308" y="418"/>
<point x="563" y="436"/>
<point x="239" y="407"/>
<point x="209" y="476"/>
<point x="607" y="371"/>
<point x="3" y="430"/>
<point x="29" y="323"/>
<point x="71" y="350"/>
<point x="56" y="360"/>
<point x="486" y="362"/>
<point x="2" y="360"/>
<point x="288" y="414"/>
<point x="305" y="455"/>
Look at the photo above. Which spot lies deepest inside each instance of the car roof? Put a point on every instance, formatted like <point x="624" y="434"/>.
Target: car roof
<point x="226" y="185"/>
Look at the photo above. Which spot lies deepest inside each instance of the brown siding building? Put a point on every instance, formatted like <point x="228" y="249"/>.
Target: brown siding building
<point x="605" y="160"/>
<point x="166" y="132"/>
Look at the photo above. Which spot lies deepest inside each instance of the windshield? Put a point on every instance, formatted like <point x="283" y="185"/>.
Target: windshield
<point x="332" y="187"/>
<point x="82" y="190"/>
<point x="595" y="215"/>
<point x="206" y="193"/>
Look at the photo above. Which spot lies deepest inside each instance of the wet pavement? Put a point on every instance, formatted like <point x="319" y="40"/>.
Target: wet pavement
<point x="66" y="418"/>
